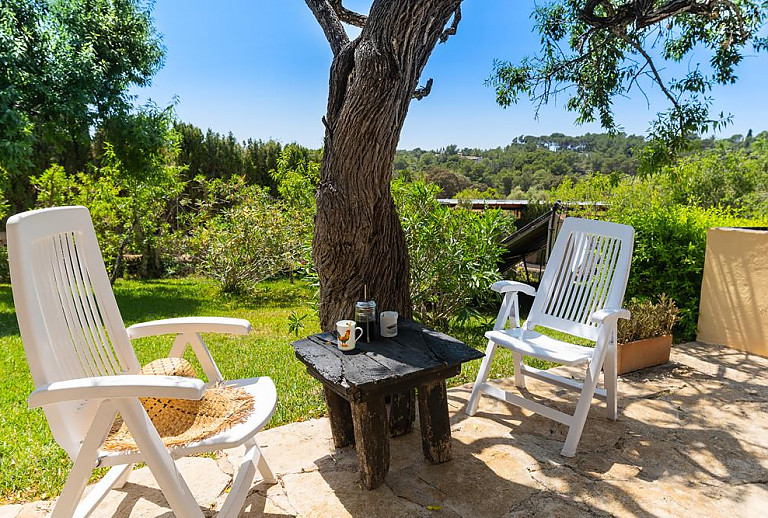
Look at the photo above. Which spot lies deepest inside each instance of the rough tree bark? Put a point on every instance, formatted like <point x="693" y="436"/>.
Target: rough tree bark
<point x="358" y="237"/>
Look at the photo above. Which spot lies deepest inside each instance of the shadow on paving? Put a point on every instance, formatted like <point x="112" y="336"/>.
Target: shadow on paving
<point x="690" y="438"/>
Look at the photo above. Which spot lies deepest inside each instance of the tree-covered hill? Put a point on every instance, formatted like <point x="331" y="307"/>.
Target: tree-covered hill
<point x="535" y="163"/>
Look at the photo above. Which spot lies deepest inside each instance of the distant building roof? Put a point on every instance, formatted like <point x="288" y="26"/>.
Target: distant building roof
<point x="489" y="204"/>
<point x="505" y="204"/>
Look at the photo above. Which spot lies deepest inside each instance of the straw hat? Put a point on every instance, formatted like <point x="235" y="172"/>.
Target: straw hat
<point x="183" y="421"/>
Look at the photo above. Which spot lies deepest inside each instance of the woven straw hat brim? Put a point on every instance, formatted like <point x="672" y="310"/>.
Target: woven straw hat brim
<point x="183" y="421"/>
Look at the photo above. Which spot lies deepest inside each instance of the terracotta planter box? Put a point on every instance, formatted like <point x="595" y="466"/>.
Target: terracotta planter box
<point x="644" y="353"/>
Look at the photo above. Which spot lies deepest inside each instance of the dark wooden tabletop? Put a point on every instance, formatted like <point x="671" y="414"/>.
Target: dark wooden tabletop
<point x="415" y="352"/>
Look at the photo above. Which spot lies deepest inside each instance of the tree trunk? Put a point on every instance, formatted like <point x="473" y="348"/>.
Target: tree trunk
<point x="358" y="238"/>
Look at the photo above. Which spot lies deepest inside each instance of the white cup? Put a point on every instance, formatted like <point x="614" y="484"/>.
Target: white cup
<point x="347" y="334"/>
<point x="388" y="321"/>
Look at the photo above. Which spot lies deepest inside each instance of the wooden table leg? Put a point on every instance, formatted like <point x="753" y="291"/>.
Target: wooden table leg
<point x="340" y="415"/>
<point x="435" y="424"/>
<point x="371" y="440"/>
<point x="402" y="413"/>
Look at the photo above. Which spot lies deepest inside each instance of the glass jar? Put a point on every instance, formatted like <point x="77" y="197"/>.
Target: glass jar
<point x="365" y="318"/>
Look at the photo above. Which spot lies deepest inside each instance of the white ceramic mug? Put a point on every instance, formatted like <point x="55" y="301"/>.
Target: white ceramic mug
<point x="388" y="321"/>
<point x="347" y="334"/>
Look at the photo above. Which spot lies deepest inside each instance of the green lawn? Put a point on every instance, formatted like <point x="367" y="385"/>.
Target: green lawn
<point x="33" y="467"/>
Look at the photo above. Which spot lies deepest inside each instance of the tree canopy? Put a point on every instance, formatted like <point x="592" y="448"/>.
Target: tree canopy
<point x="65" y="67"/>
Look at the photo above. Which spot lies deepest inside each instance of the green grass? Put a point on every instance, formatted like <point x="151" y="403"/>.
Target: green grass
<point x="33" y="467"/>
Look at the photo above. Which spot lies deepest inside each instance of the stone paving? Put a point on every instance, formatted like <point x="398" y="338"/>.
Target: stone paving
<point x="691" y="440"/>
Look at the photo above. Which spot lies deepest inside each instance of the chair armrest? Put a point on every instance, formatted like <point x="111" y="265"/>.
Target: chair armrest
<point x="505" y="286"/>
<point x="604" y="316"/>
<point x="121" y="386"/>
<point x="190" y="325"/>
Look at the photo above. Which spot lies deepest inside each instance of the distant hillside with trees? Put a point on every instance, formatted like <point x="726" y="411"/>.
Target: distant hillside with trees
<point x="536" y="163"/>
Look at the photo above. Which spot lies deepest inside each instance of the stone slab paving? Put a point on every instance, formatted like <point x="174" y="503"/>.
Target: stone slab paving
<point x="691" y="440"/>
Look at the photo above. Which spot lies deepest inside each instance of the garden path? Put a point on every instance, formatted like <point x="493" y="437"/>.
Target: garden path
<point x="691" y="439"/>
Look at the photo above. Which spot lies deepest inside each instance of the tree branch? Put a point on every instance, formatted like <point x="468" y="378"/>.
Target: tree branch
<point x="450" y="31"/>
<point x="328" y="19"/>
<point x="639" y="48"/>
<point x="341" y="69"/>
<point x="641" y="12"/>
<point x="347" y="16"/>
<point x="421" y="93"/>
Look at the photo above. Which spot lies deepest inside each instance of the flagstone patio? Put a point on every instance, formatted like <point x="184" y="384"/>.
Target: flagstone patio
<point x="691" y="440"/>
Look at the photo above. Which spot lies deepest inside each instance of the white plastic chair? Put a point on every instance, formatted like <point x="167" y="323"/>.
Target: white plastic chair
<point x="85" y="369"/>
<point x="580" y="293"/>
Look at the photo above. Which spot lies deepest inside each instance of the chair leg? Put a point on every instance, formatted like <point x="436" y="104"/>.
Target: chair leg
<point x="266" y="472"/>
<point x="67" y="504"/>
<point x="120" y="482"/>
<point x="73" y="489"/>
<point x="580" y="416"/>
<point x="482" y="376"/>
<point x="159" y="460"/>
<point x="519" y="375"/>
<point x="115" y="477"/>
<point x="610" y="380"/>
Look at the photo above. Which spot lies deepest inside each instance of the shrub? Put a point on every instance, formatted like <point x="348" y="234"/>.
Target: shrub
<point x="670" y="244"/>
<point x="649" y="319"/>
<point x="130" y="212"/>
<point x="454" y="253"/>
<point x="296" y="178"/>
<point x="251" y="242"/>
<point x="721" y="176"/>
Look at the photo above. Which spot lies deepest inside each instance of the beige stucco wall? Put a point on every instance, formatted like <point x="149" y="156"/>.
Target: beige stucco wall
<point x="734" y="293"/>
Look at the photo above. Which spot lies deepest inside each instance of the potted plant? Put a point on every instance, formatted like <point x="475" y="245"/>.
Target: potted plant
<point x="645" y="340"/>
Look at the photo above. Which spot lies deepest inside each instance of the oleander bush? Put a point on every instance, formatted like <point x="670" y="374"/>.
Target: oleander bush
<point x="255" y="240"/>
<point x="454" y="253"/>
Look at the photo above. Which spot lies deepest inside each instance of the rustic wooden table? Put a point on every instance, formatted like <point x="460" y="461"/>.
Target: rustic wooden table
<point x="358" y="383"/>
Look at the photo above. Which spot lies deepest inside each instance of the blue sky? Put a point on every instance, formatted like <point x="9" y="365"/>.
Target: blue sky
<point x="260" y="70"/>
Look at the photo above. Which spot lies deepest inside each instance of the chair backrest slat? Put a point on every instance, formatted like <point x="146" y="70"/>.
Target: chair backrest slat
<point x="109" y="363"/>
<point x="562" y="273"/>
<point x="582" y="310"/>
<point x="587" y="270"/>
<point x="606" y="276"/>
<point x="58" y="314"/>
<point x="573" y="269"/>
<point x="68" y="317"/>
<point x="77" y="328"/>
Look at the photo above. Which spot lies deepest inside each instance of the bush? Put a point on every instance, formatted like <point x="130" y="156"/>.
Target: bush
<point x="736" y="178"/>
<point x="454" y="253"/>
<point x="296" y="178"/>
<point x="670" y="243"/>
<point x="251" y="242"/>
